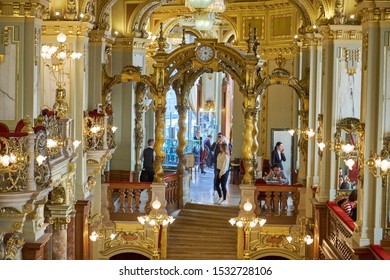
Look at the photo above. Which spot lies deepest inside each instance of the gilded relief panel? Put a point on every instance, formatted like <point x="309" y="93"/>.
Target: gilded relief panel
<point x="9" y="42"/>
<point x="281" y="26"/>
<point x="255" y="22"/>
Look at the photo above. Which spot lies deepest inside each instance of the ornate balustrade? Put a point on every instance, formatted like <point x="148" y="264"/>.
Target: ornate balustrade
<point x="98" y="131"/>
<point x="128" y="200"/>
<point x="338" y="243"/>
<point x="274" y="199"/>
<point x="171" y="191"/>
<point x="23" y="159"/>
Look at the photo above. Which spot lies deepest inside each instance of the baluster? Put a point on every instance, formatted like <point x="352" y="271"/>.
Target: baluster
<point x="137" y="194"/>
<point x="111" y="206"/>
<point x="121" y="201"/>
<point x="295" y="198"/>
<point x="284" y="197"/>
<point x="258" y="203"/>
<point x="129" y="208"/>
<point x="268" y="198"/>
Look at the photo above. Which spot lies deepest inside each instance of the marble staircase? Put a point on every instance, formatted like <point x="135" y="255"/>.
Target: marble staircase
<point x="203" y="232"/>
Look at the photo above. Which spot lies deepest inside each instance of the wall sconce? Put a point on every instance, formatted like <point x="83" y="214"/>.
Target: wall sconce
<point x="307" y="133"/>
<point x="54" y="145"/>
<point x="379" y="165"/>
<point x="347" y="152"/>
<point x="100" y="232"/>
<point x="301" y="236"/>
<point x="157" y="220"/>
<point x="59" y="55"/>
<point x="247" y="222"/>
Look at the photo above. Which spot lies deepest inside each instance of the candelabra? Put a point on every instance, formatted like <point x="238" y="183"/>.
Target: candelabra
<point x="157" y="219"/>
<point x="59" y="55"/>
<point x="301" y="236"/>
<point x="247" y="222"/>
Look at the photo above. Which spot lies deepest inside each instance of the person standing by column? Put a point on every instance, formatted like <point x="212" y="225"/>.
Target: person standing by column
<point x="147" y="156"/>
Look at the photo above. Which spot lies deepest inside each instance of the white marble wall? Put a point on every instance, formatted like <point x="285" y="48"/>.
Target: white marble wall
<point x="8" y="83"/>
<point x="387" y="94"/>
<point x="348" y="87"/>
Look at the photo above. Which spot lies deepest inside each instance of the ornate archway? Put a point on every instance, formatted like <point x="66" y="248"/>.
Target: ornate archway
<point x="181" y="68"/>
<point x="281" y="76"/>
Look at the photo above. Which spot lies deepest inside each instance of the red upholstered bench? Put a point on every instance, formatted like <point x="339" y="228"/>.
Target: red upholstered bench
<point x="381" y="253"/>
<point x="342" y="215"/>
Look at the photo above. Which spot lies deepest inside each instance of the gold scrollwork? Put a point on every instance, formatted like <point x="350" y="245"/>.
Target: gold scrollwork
<point x="91" y="183"/>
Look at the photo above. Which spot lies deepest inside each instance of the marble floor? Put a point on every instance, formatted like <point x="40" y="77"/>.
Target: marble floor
<point x="202" y="189"/>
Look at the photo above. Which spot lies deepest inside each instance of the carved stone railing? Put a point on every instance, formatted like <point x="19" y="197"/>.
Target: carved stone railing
<point x="128" y="200"/>
<point x="278" y="200"/>
<point x="171" y="192"/>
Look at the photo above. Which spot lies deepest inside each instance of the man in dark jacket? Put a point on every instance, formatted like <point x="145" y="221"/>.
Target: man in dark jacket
<point x="147" y="156"/>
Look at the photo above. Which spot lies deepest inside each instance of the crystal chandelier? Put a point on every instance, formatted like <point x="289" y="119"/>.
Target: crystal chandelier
<point x="217" y="6"/>
<point x="205" y="11"/>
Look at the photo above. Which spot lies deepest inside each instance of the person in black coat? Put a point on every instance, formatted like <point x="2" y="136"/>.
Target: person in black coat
<point x="147" y="156"/>
<point x="277" y="156"/>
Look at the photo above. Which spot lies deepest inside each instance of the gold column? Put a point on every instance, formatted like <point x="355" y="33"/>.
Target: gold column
<point x="182" y="109"/>
<point x="140" y="109"/>
<point x="247" y="148"/>
<point x="255" y="132"/>
<point x="160" y="108"/>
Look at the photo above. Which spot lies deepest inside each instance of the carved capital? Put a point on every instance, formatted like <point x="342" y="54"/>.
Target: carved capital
<point x="60" y="223"/>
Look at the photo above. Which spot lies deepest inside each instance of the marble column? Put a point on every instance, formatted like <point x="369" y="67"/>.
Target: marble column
<point x="60" y="239"/>
<point x="376" y="48"/>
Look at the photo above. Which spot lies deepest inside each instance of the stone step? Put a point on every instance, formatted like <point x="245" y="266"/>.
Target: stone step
<point x="202" y="232"/>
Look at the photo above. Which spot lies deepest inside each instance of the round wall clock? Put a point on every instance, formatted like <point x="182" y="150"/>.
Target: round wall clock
<point x="205" y="53"/>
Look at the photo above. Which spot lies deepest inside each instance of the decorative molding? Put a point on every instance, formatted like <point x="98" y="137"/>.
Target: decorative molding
<point x="33" y="8"/>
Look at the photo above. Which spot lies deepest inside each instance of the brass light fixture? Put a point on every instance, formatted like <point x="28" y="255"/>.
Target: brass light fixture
<point x="100" y="232"/>
<point x="307" y="133"/>
<point x="247" y="222"/>
<point x="205" y="11"/>
<point x="58" y="56"/>
<point x="301" y="236"/>
<point x="157" y="219"/>
<point x="379" y="165"/>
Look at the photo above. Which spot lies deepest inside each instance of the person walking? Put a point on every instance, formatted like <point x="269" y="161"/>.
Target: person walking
<point x="215" y="149"/>
<point x="147" y="156"/>
<point x="223" y="162"/>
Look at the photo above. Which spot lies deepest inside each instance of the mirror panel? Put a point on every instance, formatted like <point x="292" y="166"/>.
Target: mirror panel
<point x="349" y="149"/>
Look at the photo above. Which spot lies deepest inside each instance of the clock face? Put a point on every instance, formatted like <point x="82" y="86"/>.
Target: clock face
<point x="205" y="53"/>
